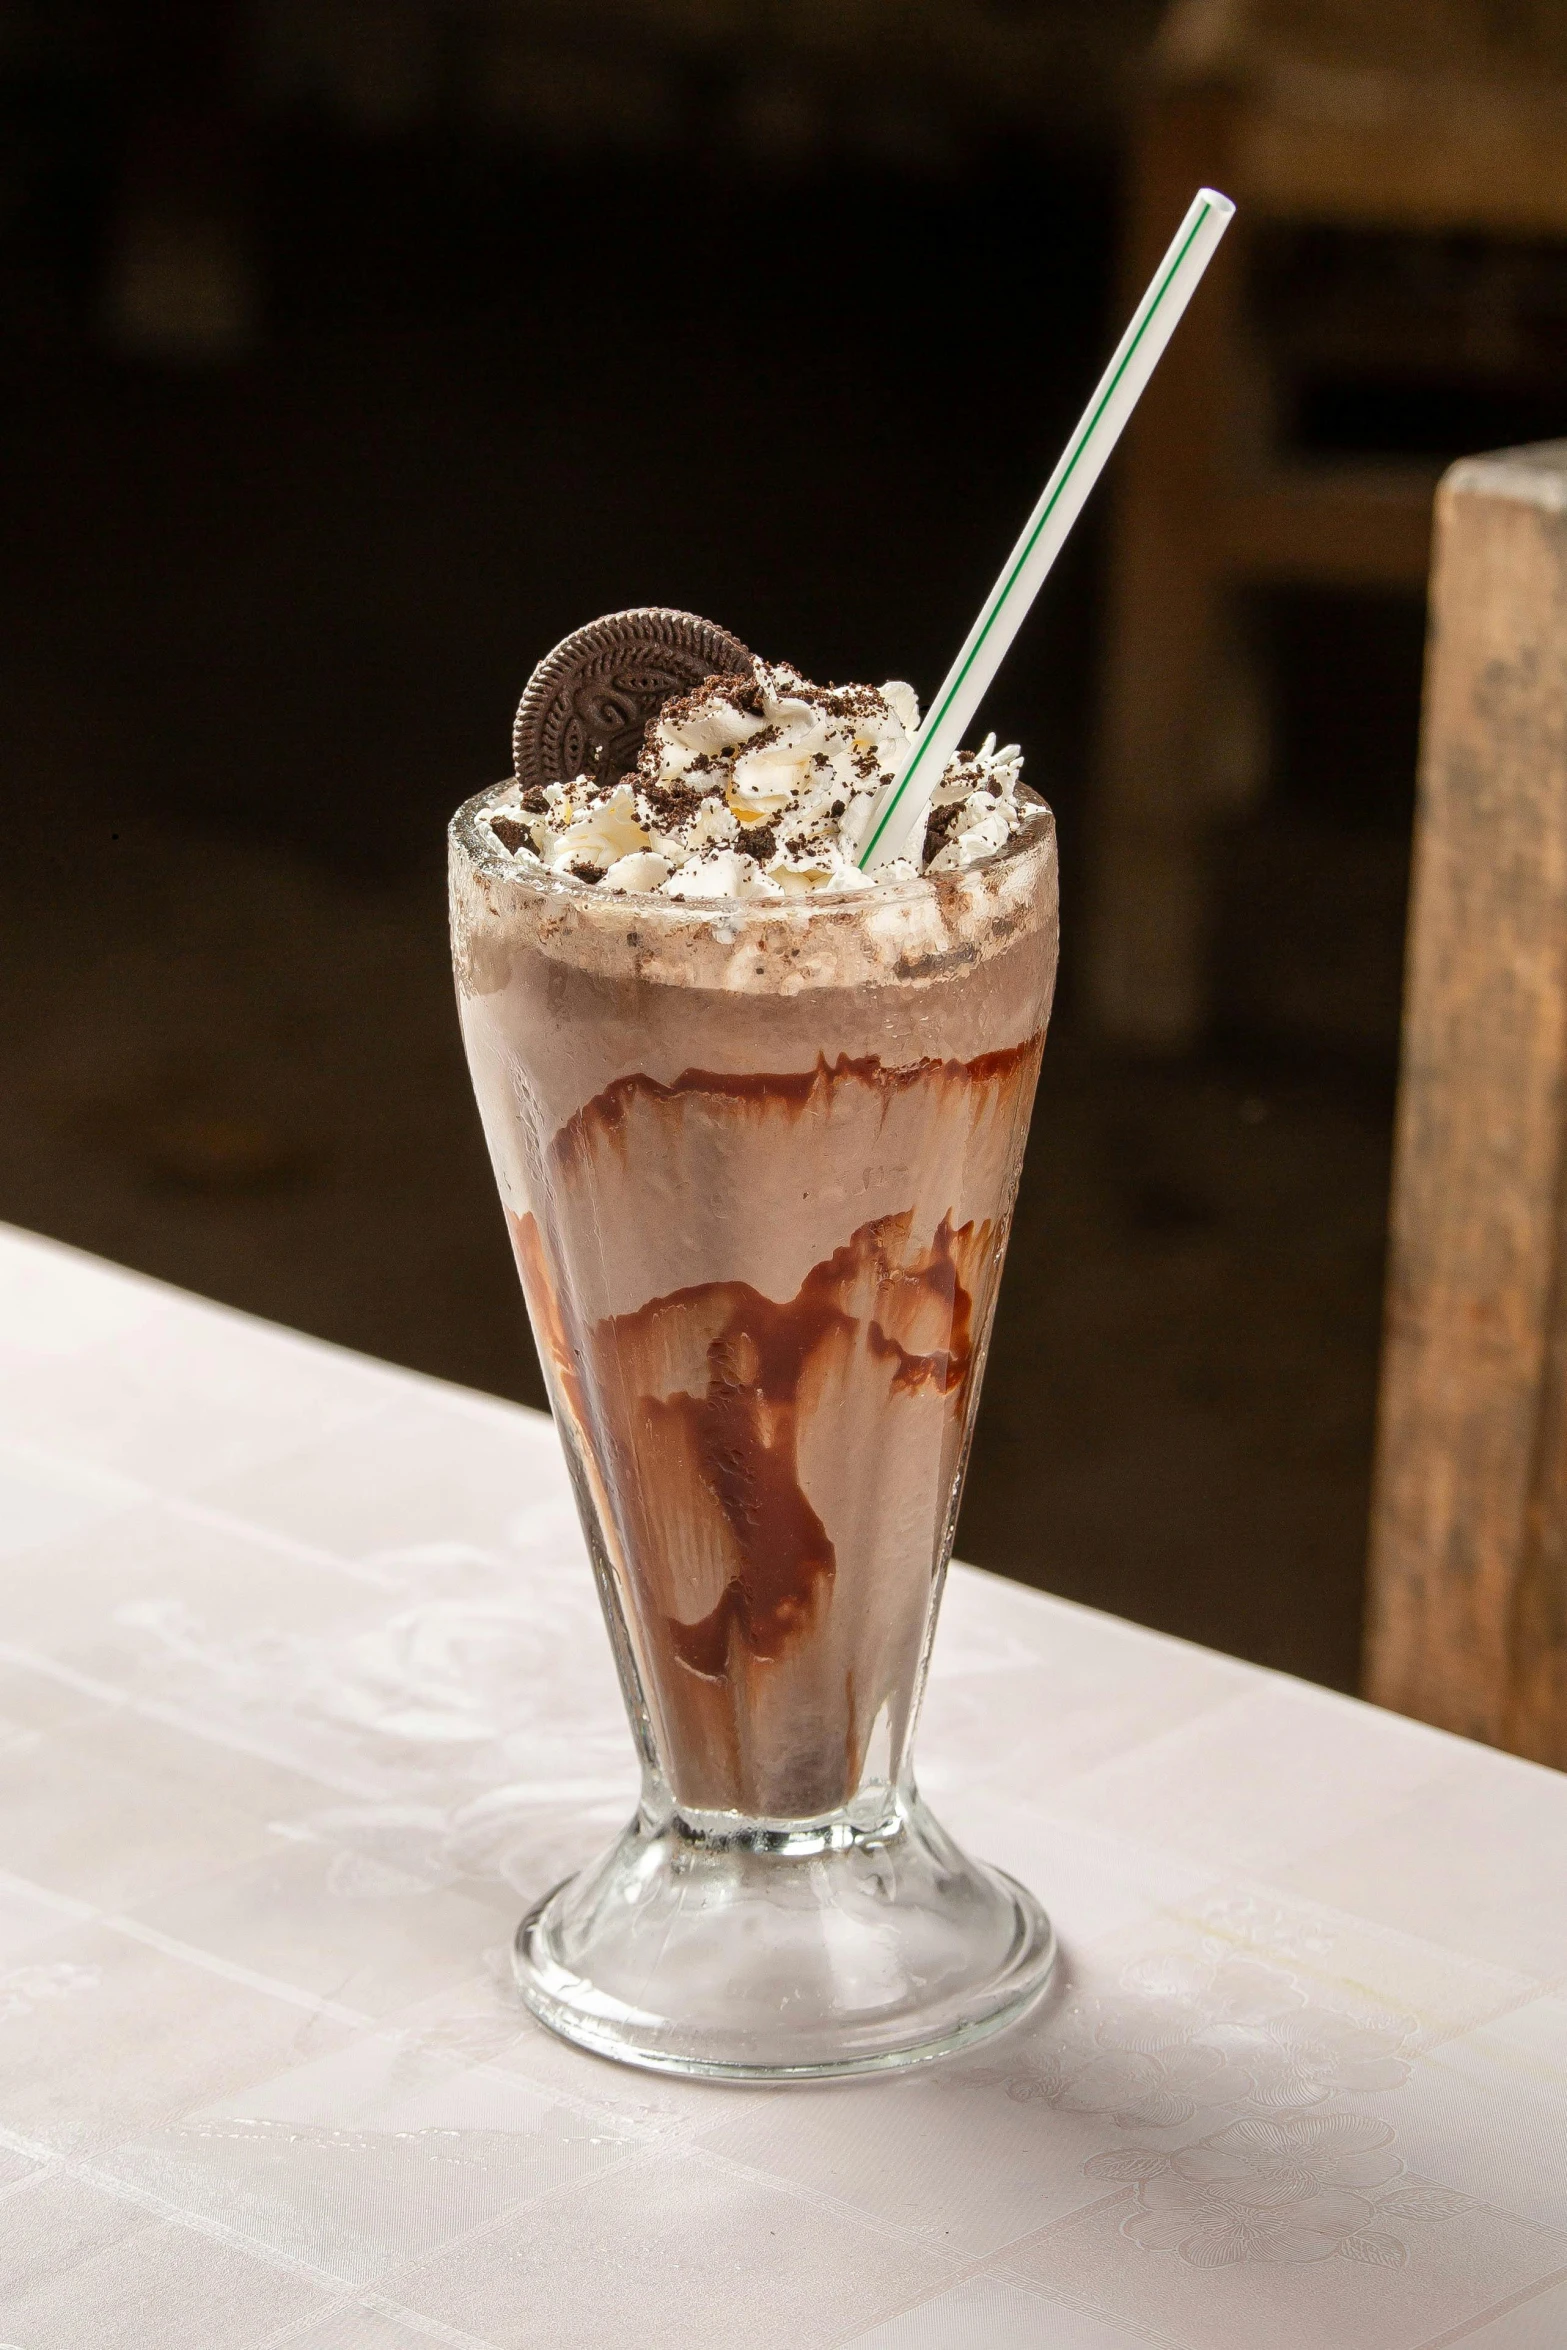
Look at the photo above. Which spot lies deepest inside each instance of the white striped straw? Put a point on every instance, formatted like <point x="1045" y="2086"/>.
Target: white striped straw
<point x="898" y="812"/>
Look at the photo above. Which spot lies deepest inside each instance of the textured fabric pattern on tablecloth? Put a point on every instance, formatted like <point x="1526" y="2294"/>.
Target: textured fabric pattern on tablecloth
<point x="303" y="1693"/>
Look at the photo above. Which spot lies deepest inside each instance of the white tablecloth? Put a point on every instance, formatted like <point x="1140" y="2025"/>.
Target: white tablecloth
<point x="303" y="1694"/>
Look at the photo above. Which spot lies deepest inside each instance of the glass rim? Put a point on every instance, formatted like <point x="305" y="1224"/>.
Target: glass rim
<point x="485" y="855"/>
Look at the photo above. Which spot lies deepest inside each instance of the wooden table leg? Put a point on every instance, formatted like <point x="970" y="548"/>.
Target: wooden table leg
<point x="1468" y="1577"/>
<point x="1148" y="925"/>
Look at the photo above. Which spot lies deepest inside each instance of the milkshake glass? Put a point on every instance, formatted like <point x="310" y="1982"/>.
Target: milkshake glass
<point x="758" y="1159"/>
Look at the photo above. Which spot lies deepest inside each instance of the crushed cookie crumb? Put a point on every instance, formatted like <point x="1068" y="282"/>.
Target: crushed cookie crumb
<point x="671" y="804"/>
<point x="940" y="824"/>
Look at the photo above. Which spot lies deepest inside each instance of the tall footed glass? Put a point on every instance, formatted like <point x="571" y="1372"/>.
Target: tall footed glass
<point x="759" y="1161"/>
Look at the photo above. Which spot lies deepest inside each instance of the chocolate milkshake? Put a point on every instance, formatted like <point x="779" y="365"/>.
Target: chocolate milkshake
<point x="757" y="1124"/>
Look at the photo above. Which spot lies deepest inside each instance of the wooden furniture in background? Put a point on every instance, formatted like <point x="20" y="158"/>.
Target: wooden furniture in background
<point x="1468" y="1599"/>
<point x="1418" y="117"/>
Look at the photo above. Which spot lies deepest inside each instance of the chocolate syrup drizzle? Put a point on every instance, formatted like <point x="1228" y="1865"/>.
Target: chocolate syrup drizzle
<point x="715" y="1472"/>
<point x="742" y="1434"/>
<point x="793" y="1089"/>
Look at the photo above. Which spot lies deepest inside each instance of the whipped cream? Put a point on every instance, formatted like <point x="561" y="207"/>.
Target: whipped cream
<point x="762" y="786"/>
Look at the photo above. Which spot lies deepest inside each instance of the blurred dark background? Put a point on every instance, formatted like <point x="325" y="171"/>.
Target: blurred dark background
<point x="350" y="354"/>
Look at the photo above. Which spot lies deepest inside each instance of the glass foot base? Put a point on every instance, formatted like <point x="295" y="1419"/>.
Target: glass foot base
<point x="783" y="1953"/>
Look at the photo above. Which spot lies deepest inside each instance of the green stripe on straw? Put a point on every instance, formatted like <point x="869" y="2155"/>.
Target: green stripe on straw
<point x="1201" y="212"/>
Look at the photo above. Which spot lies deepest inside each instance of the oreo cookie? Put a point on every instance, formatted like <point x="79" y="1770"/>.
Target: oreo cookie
<point x="588" y="703"/>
